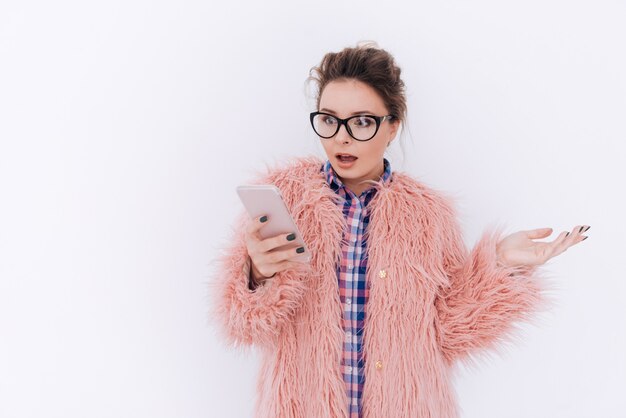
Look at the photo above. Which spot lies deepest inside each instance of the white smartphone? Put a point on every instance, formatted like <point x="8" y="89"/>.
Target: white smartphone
<point x="266" y="199"/>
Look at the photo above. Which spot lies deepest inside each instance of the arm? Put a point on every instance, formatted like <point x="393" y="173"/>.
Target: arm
<point x="251" y="316"/>
<point x="484" y="298"/>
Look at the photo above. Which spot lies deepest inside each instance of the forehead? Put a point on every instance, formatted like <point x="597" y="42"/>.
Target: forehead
<point x="346" y="96"/>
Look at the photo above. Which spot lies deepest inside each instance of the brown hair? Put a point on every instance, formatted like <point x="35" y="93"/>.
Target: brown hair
<point x="369" y="64"/>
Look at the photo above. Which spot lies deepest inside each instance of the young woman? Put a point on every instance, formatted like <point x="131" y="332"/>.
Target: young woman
<point x="372" y="326"/>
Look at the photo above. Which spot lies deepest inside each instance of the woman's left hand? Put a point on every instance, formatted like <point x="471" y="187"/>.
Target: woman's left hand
<point x="519" y="249"/>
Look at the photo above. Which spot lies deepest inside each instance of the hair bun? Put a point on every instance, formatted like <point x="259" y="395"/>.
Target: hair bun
<point x="367" y="44"/>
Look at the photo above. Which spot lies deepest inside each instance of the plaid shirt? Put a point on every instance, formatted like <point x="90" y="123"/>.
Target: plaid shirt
<point x="353" y="289"/>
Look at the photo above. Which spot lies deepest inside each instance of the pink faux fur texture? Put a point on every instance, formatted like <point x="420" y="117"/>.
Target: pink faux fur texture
<point x="438" y="302"/>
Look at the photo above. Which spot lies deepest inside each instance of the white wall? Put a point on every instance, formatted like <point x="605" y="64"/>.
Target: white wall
<point x="125" y="127"/>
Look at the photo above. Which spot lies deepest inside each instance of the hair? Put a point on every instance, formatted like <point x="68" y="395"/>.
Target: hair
<point x="370" y="64"/>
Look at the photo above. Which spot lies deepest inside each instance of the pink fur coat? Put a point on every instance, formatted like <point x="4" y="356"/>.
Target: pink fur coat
<point x="431" y="302"/>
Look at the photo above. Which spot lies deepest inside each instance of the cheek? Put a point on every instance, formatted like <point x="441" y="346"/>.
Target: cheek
<point x="380" y="146"/>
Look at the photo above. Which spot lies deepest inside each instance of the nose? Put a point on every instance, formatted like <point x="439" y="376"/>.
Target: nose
<point x="342" y="135"/>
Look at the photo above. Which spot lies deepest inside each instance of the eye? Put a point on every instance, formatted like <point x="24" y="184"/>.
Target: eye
<point x="329" y="120"/>
<point x="363" y="121"/>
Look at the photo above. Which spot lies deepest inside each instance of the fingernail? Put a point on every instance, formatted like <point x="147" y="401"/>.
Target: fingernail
<point x="300" y="250"/>
<point x="291" y="237"/>
<point x="581" y="229"/>
<point x="567" y="234"/>
<point x="588" y="228"/>
<point x="585" y="238"/>
<point x="263" y="218"/>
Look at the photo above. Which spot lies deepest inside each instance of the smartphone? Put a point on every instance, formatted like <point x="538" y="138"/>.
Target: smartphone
<point x="266" y="199"/>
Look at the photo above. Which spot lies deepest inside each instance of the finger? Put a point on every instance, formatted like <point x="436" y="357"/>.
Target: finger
<point x="582" y="229"/>
<point x="254" y="225"/>
<point x="538" y="233"/>
<point x="559" y="245"/>
<point x="574" y="235"/>
<point x="578" y="235"/>
<point x="293" y="265"/>
<point x="279" y="240"/>
<point x="267" y="271"/>
<point x="270" y="269"/>
<point x="566" y="240"/>
<point x="267" y="267"/>
<point x="560" y="238"/>
<point x="281" y="255"/>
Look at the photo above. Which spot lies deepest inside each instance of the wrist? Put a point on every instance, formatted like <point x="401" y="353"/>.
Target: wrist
<point x="256" y="278"/>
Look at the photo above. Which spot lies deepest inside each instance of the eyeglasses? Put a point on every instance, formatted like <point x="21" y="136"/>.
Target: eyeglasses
<point x="359" y="127"/>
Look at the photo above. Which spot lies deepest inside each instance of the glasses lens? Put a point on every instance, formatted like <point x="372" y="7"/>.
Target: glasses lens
<point x="325" y="125"/>
<point x="362" y="127"/>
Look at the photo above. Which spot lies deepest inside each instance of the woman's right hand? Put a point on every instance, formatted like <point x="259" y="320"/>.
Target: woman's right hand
<point x="265" y="263"/>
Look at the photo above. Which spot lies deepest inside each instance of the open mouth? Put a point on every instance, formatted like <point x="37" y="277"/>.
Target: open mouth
<point x="346" y="158"/>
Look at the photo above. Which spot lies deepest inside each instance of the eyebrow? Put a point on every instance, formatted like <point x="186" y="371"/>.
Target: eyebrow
<point x="353" y="113"/>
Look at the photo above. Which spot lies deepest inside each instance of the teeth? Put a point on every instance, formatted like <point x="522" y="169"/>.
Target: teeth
<point x="345" y="158"/>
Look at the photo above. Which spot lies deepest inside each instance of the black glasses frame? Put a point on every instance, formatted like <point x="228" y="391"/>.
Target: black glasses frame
<point x="378" y="119"/>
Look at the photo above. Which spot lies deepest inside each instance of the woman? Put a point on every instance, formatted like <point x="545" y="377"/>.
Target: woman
<point x="372" y="326"/>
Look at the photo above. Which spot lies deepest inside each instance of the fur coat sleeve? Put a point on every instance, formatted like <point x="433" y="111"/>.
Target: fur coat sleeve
<point x="482" y="300"/>
<point x="252" y="317"/>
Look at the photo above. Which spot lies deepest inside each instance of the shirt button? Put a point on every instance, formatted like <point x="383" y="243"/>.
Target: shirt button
<point x="353" y="239"/>
<point x="348" y="301"/>
<point x="350" y="266"/>
<point x="379" y="364"/>
<point x="349" y="334"/>
<point x="349" y="369"/>
<point x="382" y="274"/>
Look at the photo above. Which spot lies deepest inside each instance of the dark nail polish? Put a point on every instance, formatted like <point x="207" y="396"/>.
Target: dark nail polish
<point x="300" y="250"/>
<point x="588" y="228"/>
<point x="567" y="234"/>
<point x="585" y="238"/>
<point x="263" y="218"/>
<point x="291" y="237"/>
<point x="581" y="229"/>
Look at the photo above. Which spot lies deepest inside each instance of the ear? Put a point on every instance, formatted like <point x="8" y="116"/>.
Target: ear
<point x="393" y="130"/>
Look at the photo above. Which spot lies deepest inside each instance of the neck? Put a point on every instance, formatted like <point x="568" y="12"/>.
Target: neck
<point x="357" y="186"/>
